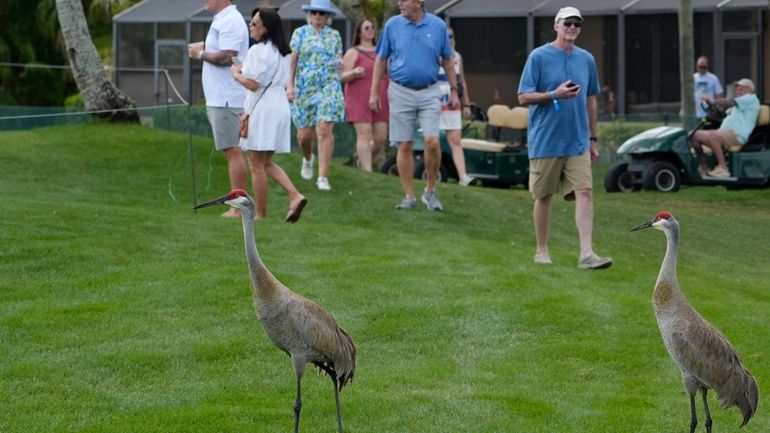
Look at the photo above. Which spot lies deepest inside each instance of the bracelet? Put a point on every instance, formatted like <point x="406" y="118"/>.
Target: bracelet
<point x="200" y="55"/>
<point x="555" y="101"/>
<point x="454" y="88"/>
<point x="592" y="138"/>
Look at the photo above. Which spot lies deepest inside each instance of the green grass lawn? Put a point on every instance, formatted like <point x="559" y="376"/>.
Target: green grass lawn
<point x="123" y="311"/>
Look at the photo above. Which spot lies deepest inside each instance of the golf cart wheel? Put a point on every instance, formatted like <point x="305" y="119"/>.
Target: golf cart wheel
<point x="618" y="179"/>
<point x="389" y="166"/>
<point x="662" y="176"/>
<point x="421" y="172"/>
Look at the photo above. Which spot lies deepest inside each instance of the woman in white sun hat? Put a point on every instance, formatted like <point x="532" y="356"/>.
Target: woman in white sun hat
<point x="315" y="89"/>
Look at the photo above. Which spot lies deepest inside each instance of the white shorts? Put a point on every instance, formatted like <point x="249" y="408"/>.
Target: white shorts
<point x="450" y="120"/>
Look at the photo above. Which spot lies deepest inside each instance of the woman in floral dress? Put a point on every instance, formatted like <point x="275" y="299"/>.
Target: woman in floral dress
<point x="314" y="88"/>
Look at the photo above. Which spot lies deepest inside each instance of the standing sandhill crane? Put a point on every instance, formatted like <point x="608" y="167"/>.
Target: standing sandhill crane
<point x="702" y="353"/>
<point x="299" y="327"/>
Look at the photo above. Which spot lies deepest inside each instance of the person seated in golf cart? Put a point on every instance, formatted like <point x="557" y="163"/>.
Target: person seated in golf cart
<point x="734" y="131"/>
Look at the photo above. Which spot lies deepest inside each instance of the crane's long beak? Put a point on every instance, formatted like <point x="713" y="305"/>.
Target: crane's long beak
<point x="216" y="201"/>
<point x="646" y="225"/>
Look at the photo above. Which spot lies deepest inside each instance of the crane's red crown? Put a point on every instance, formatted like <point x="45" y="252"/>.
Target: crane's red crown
<point x="663" y="215"/>
<point x="237" y="192"/>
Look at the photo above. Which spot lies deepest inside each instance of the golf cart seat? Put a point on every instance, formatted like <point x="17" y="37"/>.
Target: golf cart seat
<point x="505" y="128"/>
<point x="758" y="140"/>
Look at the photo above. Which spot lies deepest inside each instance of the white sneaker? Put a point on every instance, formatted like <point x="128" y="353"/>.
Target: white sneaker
<point x="467" y="180"/>
<point x="307" y="168"/>
<point x="594" y="262"/>
<point x="543" y="259"/>
<point x="323" y="184"/>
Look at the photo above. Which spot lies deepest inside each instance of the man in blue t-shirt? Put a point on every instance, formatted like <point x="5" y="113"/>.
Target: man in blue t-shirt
<point x="560" y="83"/>
<point x="706" y="85"/>
<point x="416" y="43"/>
<point x="734" y="130"/>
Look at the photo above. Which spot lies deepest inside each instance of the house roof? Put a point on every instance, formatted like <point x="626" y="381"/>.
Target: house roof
<point x="149" y="11"/>
<point x="175" y="11"/>
<point x="540" y="8"/>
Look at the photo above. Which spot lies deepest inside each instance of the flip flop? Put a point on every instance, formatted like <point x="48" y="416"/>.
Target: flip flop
<point x="296" y="211"/>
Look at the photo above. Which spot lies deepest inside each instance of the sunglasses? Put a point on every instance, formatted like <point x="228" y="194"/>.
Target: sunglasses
<point x="573" y="24"/>
<point x="367" y="28"/>
<point x="317" y="13"/>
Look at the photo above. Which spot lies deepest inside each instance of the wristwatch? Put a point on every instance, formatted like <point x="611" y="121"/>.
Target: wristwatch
<point x="200" y="55"/>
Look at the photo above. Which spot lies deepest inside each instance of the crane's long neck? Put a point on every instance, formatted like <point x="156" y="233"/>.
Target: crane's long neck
<point x="263" y="284"/>
<point x="667" y="291"/>
<point x="668" y="267"/>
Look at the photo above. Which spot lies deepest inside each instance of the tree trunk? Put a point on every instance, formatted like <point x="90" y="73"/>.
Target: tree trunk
<point x="686" y="62"/>
<point x="97" y="91"/>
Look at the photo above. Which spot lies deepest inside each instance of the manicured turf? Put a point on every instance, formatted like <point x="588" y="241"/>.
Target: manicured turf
<point x="123" y="311"/>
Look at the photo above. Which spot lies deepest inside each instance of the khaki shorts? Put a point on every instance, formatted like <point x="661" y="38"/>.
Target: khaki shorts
<point x="728" y="139"/>
<point x="548" y="175"/>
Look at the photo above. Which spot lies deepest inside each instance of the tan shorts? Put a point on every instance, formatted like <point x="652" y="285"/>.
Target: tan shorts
<point x="548" y="175"/>
<point x="728" y="139"/>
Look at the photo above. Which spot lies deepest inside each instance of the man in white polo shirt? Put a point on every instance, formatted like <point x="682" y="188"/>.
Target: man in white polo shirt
<point x="227" y="39"/>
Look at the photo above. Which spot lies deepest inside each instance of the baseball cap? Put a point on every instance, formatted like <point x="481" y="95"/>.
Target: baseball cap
<point x="568" y="12"/>
<point x="745" y="82"/>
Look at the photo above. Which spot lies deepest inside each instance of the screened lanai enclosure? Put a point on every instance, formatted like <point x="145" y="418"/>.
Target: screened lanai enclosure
<point x="150" y="46"/>
<point x="635" y="43"/>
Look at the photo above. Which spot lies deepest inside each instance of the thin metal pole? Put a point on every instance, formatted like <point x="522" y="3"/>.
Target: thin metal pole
<point x="192" y="155"/>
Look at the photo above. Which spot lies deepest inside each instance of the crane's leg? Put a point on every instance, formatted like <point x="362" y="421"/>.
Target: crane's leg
<point x="337" y="401"/>
<point x="693" y="416"/>
<point x="298" y="404"/>
<point x="299" y="368"/>
<point x="706" y="409"/>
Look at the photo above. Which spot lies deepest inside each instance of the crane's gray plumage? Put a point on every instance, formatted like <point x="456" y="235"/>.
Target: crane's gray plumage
<point x="703" y="354"/>
<point x="296" y="325"/>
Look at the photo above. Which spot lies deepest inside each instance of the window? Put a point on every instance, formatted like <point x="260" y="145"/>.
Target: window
<point x="652" y="42"/>
<point x="740" y="21"/>
<point x="492" y="45"/>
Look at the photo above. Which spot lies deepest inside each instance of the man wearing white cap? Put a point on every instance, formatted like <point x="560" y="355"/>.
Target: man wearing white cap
<point x="734" y="130"/>
<point x="560" y="83"/>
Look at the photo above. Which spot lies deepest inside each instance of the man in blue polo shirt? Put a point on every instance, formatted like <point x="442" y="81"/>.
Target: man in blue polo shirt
<point x="416" y="43"/>
<point x="560" y="83"/>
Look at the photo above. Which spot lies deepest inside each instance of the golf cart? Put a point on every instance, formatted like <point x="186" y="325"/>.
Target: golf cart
<point x="499" y="159"/>
<point x="661" y="159"/>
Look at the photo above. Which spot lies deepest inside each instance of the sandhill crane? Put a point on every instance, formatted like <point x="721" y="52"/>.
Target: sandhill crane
<point x="299" y="327"/>
<point x="702" y="353"/>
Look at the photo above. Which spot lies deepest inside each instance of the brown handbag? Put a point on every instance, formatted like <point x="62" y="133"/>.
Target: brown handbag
<point x="244" y="132"/>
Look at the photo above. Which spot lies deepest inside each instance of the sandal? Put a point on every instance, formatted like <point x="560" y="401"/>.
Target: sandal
<point x="295" y="211"/>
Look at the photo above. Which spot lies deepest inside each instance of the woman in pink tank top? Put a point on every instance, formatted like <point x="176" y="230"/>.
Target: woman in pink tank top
<point x="357" y="67"/>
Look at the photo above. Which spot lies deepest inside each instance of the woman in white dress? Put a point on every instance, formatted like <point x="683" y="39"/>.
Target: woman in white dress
<point x="265" y="72"/>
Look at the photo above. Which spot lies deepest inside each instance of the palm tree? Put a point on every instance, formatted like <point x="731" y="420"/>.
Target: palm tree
<point x="98" y="92"/>
<point x="377" y="10"/>
<point x="686" y="60"/>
